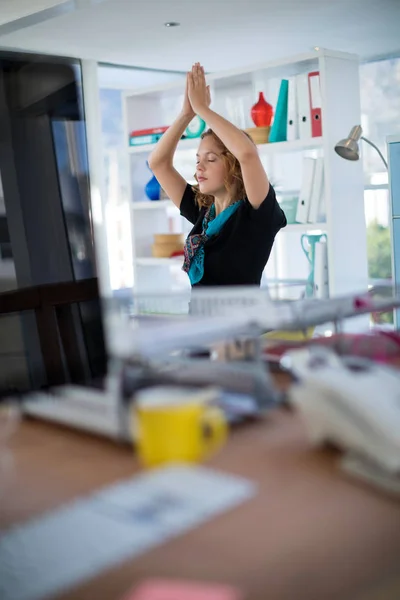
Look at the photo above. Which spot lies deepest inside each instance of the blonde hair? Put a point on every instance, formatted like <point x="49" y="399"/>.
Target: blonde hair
<point x="233" y="180"/>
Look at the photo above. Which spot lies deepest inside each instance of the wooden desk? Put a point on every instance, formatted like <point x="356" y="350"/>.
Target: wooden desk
<point x="309" y="533"/>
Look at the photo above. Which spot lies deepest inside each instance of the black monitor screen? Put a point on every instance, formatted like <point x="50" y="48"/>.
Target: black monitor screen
<point x="51" y="329"/>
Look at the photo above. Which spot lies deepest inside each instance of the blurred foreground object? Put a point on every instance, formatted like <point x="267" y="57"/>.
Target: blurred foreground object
<point x="354" y="404"/>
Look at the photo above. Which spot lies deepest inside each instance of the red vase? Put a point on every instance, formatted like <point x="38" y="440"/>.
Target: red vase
<point x="262" y="112"/>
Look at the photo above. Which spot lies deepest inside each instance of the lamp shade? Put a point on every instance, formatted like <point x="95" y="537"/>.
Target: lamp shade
<point x="348" y="147"/>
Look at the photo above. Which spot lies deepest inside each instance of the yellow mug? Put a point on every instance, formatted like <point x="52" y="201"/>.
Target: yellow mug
<point x="174" y="424"/>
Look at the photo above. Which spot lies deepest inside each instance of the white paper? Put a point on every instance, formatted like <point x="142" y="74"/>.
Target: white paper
<point x="67" y="546"/>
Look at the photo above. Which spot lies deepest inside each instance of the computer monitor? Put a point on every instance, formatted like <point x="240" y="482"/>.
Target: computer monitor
<point x="51" y="326"/>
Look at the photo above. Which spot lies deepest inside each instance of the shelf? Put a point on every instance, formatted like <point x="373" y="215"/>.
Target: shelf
<point x="234" y="92"/>
<point x="293" y="146"/>
<point x="152" y="261"/>
<point x="188" y="144"/>
<point x="153" y="205"/>
<point x="281" y="68"/>
<point x="304" y="227"/>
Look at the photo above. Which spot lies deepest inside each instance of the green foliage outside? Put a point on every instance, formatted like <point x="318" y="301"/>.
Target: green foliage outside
<point x="379" y="254"/>
<point x="379" y="258"/>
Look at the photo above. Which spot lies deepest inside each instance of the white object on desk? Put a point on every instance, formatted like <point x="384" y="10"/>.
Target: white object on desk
<point x="356" y="407"/>
<point x="360" y="467"/>
<point x="67" y="546"/>
<point x="81" y="407"/>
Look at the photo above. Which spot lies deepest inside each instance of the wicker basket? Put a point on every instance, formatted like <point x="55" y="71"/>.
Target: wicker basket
<point x="259" y="135"/>
<point x="166" y="244"/>
<point x="169" y="238"/>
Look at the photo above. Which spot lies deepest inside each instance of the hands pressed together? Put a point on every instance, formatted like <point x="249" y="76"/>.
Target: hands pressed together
<point x="197" y="93"/>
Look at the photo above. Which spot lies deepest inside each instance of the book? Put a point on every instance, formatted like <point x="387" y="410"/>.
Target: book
<point x="141" y="140"/>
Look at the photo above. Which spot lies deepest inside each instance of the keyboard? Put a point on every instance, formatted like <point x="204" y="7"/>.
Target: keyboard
<point x="80" y="407"/>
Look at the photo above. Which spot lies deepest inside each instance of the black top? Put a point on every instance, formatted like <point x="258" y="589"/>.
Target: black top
<point x="237" y="255"/>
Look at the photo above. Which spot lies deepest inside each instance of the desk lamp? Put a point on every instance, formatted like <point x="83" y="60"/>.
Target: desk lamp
<point x="348" y="148"/>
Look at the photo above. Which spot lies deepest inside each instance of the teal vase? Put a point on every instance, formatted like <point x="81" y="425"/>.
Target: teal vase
<point x="308" y="241"/>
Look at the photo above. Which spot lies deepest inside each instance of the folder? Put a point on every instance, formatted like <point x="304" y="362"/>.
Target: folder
<point x="292" y="130"/>
<point x="315" y="103"/>
<point x="303" y="205"/>
<point x="303" y="106"/>
<point x="317" y="191"/>
<point x="278" y="129"/>
<point x="141" y="140"/>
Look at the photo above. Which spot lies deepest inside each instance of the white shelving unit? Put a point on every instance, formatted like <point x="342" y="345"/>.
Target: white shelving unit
<point x="150" y="261"/>
<point x="304" y="227"/>
<point x="292" y="146"/>
<point x="233" y="94"/>
<point x="152" y="205"/>
<point x="188" y="144"/>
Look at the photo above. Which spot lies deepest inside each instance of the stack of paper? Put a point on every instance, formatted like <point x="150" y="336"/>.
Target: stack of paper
<point x="67" y="546"/>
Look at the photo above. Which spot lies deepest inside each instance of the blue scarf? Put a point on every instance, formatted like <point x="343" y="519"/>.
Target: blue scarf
<point x="194" y="246"/>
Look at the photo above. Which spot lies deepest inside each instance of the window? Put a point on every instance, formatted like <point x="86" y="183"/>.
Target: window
<point x="380" y="108"/>
<point x="113" y="81"/>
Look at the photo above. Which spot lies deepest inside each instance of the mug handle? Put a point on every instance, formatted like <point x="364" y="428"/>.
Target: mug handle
<point x="214" y="429"/>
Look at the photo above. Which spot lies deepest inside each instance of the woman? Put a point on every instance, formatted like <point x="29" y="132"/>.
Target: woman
<point x="233" y="208"/>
